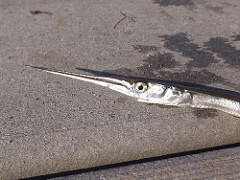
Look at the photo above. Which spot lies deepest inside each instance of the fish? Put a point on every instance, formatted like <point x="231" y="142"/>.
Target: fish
<point x="160" y="93"/>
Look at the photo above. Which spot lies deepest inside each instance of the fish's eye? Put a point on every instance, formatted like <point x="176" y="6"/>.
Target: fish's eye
<point x="141" y="87"/>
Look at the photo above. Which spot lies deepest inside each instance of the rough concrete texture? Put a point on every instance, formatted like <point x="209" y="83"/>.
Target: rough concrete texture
<point x="51" y="124"/>
<point x="217" y="164"/>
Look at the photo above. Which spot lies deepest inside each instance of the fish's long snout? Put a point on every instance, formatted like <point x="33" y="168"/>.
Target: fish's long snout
<point x="119" y="85"/>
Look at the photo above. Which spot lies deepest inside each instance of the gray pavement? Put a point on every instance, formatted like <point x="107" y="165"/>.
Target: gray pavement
<point x="51" y="124"/>
<point x="209" y="164"/>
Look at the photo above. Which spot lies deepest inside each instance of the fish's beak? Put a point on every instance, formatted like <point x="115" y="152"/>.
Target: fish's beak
<point x="115" y="84"/>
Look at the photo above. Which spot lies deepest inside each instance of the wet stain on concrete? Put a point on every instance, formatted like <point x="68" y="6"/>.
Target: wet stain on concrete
<point x="196" y="77"/>
<point x="159" y="61"/>
<point x="166" y="3"/>
<point x="180" y="43"/>
<point x="145" y="49"/>
<point x="225" y="50"/>
<point x="163" y="66"/>
<point x="205" y="113"/>
<point x="153" y="67"/>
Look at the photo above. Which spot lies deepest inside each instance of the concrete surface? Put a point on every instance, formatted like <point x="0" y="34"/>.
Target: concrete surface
<point x="216" y="164"/>
<point x="50" y="124"/>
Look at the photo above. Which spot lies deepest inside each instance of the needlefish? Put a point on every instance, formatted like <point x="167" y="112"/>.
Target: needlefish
<point x="160" y="93"/>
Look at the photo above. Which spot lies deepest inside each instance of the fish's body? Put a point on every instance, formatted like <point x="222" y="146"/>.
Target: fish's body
<point x="158" y="93"/>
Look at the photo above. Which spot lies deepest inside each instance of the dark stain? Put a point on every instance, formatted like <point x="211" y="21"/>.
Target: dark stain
<point x="151" y="66"/>
<point x="162" y="65"/>
<point x="145" y="49"/>
<point x="37" y="12"/>
<point x="196" y="77"/>
<point x="224" y="50"/>
<point x="158" y="61"/>
<point x="180" y="43"/>
<point x="205" y="113"/>
<point x="152" y="69"/>
<point x="166" y="3"/>
<point x="236" y="38"/>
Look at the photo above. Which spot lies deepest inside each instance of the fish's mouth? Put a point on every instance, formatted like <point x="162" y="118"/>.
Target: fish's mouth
<point x="122" y="86"/>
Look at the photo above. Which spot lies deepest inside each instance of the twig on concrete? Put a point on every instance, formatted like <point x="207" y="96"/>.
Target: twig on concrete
<point x="40" y="12"/>
<point x="130" y="18"/>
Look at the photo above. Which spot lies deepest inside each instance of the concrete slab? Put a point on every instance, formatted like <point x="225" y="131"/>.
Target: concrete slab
<point x="51" y="124"/>
<point x="205" y="164"/>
